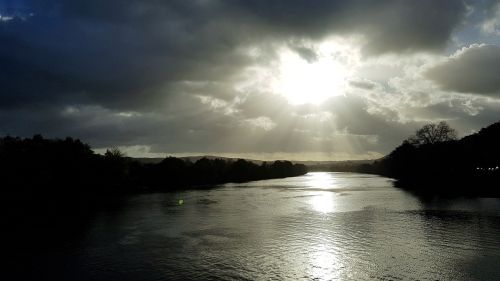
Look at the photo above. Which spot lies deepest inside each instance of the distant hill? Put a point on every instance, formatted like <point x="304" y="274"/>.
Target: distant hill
<point x="212" y="157"/>
<point x="148" y="160"/>
<point x="315" y="165"/>
<point x="337" y="166"/>
<point x="156" y="160"/>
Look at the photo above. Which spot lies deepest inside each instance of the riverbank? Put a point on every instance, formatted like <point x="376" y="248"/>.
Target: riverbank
<point x="38" y="165"/>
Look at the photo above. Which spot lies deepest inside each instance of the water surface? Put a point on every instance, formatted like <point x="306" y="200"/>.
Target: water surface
<point x="321" y="226"/>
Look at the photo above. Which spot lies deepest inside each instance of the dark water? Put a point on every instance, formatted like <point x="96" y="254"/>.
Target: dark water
<point x="321" y="226"/>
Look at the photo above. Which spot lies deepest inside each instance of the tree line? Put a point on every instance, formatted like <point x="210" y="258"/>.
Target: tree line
<point x="434" y="160"/>
<point x="40" y="165"/>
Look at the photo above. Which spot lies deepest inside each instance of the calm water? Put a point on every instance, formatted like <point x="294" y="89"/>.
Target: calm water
<point x="321" y="226"/>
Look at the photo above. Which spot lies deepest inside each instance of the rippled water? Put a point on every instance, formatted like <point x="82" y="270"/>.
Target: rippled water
<point x="321" y="226"/>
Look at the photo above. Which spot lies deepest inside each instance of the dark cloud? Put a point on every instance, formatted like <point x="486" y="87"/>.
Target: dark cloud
<point x="118" y="54"/>
<point x="124" y="54"/>
<point x="362" y="84"/>
<point x="164" y="73"/>
<point x="472" y="70"/>
<point x="389" y="26"/>
<point x="307" y="54"/>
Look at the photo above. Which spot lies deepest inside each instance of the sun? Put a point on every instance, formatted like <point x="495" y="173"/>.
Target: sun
<point x="302" y="81"/>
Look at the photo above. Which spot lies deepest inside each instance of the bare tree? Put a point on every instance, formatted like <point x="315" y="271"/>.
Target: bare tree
<point x="433" y="133"/>
<point x="114" y="153"/>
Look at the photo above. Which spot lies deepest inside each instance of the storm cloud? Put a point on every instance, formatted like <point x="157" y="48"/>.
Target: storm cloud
<point x="126" y="54"/>
<point x="197" y="76"/>
<point x="471" y="70"/>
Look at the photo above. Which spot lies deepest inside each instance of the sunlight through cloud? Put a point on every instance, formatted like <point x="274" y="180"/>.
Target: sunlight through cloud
<point x="302" y="80"/>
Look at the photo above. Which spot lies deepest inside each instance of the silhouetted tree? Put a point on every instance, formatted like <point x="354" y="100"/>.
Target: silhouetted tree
<point x="436" y="162"/>
<point x="56" y="168"/>
<point x="114" y="153"/>
<point x="116" y="169"/>
<point x="433" y="133"/>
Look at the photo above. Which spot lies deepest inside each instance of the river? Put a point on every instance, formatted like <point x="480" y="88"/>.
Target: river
<point x="320" y="226"/>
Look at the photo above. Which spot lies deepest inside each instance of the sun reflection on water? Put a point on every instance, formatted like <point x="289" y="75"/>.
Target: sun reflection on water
<point x="325" y="264"/>
<point x="323" y="202"/>
<point x="321" y="180"/>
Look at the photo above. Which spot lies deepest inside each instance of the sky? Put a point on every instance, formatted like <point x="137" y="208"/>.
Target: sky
<point x="262" y="79"/>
